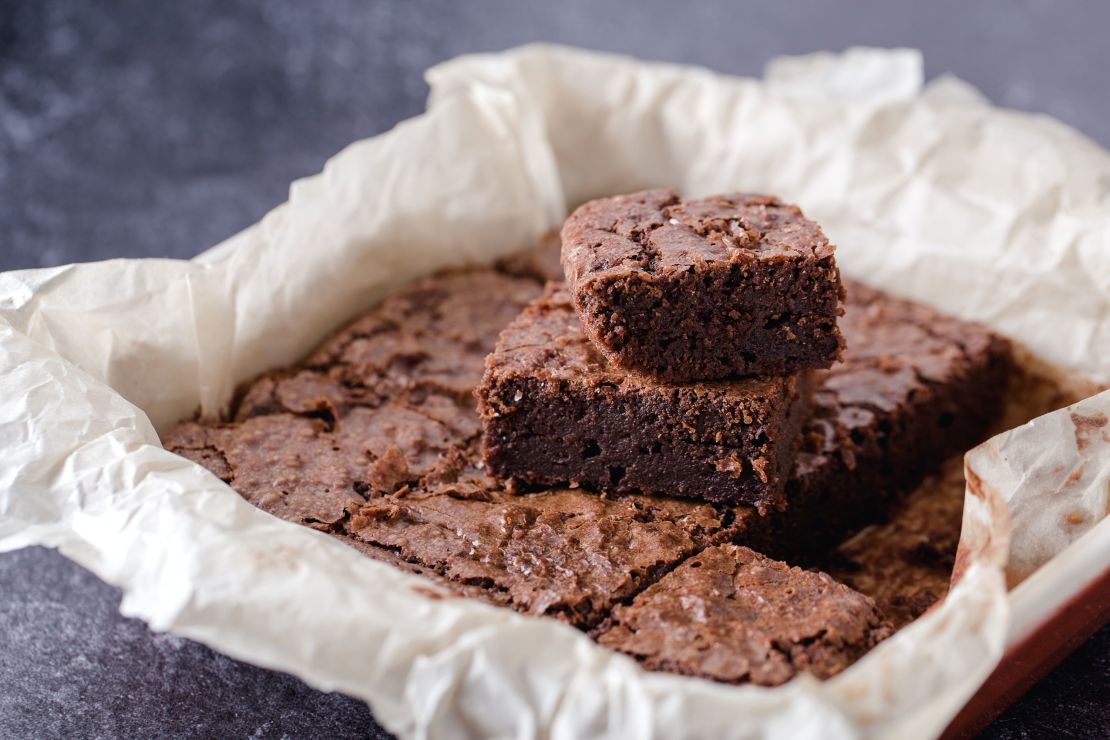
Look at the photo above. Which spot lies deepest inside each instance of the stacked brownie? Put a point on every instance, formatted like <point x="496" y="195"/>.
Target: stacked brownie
<point x="376" y="439"/>
<point x="677" y="359"/>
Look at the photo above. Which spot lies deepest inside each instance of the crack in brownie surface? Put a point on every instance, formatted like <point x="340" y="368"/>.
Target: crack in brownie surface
<point x="556" y="553"/>
<point x="724" y="286"/>
<point x="434" y="334"/>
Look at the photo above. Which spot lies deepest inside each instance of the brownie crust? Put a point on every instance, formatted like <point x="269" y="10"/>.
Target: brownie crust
<point x="555" y="411"/>
<point x="732" y="615"/>
<point x="726" y="286"/>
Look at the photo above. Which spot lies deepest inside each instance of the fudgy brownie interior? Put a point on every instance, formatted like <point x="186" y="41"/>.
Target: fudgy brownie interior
<point x="690" y="290"/>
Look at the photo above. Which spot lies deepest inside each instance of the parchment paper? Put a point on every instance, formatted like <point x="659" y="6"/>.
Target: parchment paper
<point x="929" y="192"/>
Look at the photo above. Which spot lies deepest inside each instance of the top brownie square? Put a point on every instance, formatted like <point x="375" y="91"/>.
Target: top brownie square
<point x="724" y="286"/>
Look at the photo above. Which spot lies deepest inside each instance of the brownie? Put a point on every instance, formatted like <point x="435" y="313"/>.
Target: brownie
<point x="308" y="470"/>
<point x="732" y="615"/>
<point x="556" y="553"/>
<point x="555" y="411"/>
<point x="686" y="290"/>
<point x="375" y="440"/>
<point x="914" y="387"/>
<point x="905" y="563"/>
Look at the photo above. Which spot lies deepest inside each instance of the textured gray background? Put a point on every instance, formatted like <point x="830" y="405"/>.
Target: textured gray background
<point x="133" y="129"/>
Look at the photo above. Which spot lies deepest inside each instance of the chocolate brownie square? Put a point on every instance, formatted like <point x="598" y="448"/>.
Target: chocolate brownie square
<point x="719" y="287"/>
<point x="732" y="615"/>
<point x="555" y="411"/>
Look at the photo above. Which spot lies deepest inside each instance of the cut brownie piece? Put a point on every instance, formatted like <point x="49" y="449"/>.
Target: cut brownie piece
<point x="732" y="615"/>
<point x="555" y="411"/>
<point x="906" y="562"/>
<point x="914" y="388"/>
<point x="705" y="289"/>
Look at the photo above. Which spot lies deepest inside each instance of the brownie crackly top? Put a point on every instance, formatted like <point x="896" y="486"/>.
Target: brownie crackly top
<point x="702" y="289"/>
<point x="657" y="232"/>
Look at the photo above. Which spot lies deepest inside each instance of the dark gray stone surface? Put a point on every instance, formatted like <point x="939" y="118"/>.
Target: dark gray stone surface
<point x="130" y="128"/>
<point x="72" y="667"/>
